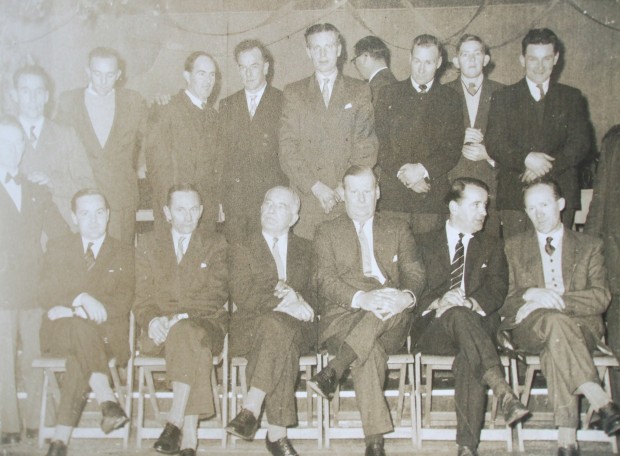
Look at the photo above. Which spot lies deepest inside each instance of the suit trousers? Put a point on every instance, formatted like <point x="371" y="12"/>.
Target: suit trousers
<point x="564" y="346"/>
<point x="188" y="350"/>
<point x="273" y="364"/>
<point x="373" y="341"/>
<point x="22" y="325"/>
<point x="460" y="332"/>
<point x="613" y="338"/>
<point x="76" y="340"/>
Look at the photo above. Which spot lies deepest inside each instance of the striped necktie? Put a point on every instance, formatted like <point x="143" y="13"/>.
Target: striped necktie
<point x="458" y="264"/>
<point x="89" y="256"/>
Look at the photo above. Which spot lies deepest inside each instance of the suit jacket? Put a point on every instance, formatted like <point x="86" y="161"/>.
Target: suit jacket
<point x="20" y="243"/>
<point x="111" y="281"/>
<point x="61" y="156"/>
<point x="486" y="276"/>
<point x="250" y="147"/>
<point x="319" y="144"/>
<point x="114" y="165"/>
<point x="181" y="146"/>
<point x="380" y="80"/>
<point x="417" y="128"/>
<point x="339" y="265"/>
<point x="586" y="294"/>
<point x="514" y="131"/>
<point x="196" y="286"/>
<point x="479" y="169"/>
<point x="254" y="276"/>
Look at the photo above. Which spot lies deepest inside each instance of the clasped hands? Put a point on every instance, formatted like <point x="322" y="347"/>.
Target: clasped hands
<point x="327" y="196"/>
<point x="452" y="298"/>
<point x="292" y="303"/>
<point x="473" y="149"/>
<point x="384" y="303"/>
<point x="84" y="306"/>
<point x="537" y="164"/>
<point x="412" y="176"/>
<point x="539" y="298"/>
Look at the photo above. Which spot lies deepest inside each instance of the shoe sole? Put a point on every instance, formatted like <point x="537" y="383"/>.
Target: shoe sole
<point x="233" y="431"/>
<point x="162" y="451"/>
<point x="518" y="417"/>
<point x="116" y="425"/>
<point x="315" y="387"/>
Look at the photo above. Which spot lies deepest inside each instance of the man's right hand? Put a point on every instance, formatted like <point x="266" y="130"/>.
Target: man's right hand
<point x="539" y="163"/>
<point x="328" y="197"/>
<point x="379" y="302"/>
<point x="452" y="298"/>
<point x="158" y="330"/>
<point x="473" y="136"/>
<point x="93" y="308"/>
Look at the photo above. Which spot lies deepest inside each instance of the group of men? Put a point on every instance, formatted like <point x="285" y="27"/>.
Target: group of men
<point x="376" y="205"/>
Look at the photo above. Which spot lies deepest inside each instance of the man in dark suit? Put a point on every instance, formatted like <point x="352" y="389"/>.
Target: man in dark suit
<point x="54" y="155"/>
<point x="537" y="127"/>
<point x="181" y="144"/>
<point x="369" y="274"/>
<point x="87" y="288"/>
<point x="467" y="281"/>
<point x="110" y="123"/>
<point x="372" y="60"/>
<point x="420" y="130"/>
<point x="475" y="88"/>
<point x="270" y="283"/>
<point x="558" y="292"/>
<point x="248" y="139"/>
<point x="327" y="125"/>
<point x="181" y="293"/>
<point x="27" y="213"/>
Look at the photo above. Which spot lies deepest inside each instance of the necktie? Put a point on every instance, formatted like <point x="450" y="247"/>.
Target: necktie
<point x="252" y="106"/>
<point x="33" y="135"/>
<point x="365" y="249"/>
<point x="325" y="92"/>
<point x="275" y="251"/>
<point x="471" y="88"/>
<point x="549" y="248"/>
<point x="89" y="256"/>
<point x="541" y="90"/>
<point x="180" y="252"/>
<point x="9" y="177"/>
<point x="423" y="88"/>
<point x="458" y="264"/>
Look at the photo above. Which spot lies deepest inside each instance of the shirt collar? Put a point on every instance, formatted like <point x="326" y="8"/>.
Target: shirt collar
<point x="416" y="86"/>
<point x="97" y="243"/>
<point x="534" y="90"/>
<point x="269" y="239"/>
<point x="176" y="236"/>
<point x="321" y="77"/>
<point x="367" y="224"/>
<point x="195" y="100"/>
<point x="374" y="73"/>
<point x="258" y="94"/>
<point x="453" y="233"/>
<point x="27" y="124"/>
<point x="4" y="171"/>
<point x="556" y="235"/>
<point x="91" y="91"/>
<point x="477" y="80"/>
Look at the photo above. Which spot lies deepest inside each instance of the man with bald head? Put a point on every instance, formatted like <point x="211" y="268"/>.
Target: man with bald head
<point x="270" y="282"/>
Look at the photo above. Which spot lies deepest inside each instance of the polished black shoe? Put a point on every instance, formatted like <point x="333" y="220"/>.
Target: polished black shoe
<point x="324" y="383"/>
<point x="374" y="449"/>
<point x="281" y="447"/>
<point x="466" y="451"/>
<point x="610" y="416"/>
<point x="113" y="416"/>
<point x="513" y="409"/>
<point x="244" y="425"/>
<point x="57" y="448"/>
<point x="571" y="450"/>
<point x="10" y="438"/>
<point x="32" y="433"/>
<point x="187" y="452"/>
<point x="168" y="441"/>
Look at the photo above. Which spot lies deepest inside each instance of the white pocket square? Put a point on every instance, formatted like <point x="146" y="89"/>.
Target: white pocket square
<point x="484" y="265"/>
<point x="348" y="106"/>
<point x="395" y="259"/>
<point x="203" y="265"/>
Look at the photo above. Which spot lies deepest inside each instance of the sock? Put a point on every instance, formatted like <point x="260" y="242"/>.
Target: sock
<point x="189" y="438"/>
<point x="100" y="385"/>
<point x="343" y="360"/>
<point x="275" y="433"/>
<point x="63" y="433"/>
<point x="496" y="381"/>
<point x="180" y="396"/>
<point x="253" y="401"/>
<point x="373" y="438"/>
<point x="595" y="394"/>
<point x="567" y="436"/>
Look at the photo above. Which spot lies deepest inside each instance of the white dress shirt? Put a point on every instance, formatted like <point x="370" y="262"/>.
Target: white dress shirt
<point x="31" y="127"/>
<point x="282" y="246"/>
<point x="534" y="90"/>
<point x="552" y="264"/>
<point x="97" y="243"/>
<point x="195" y="100"/>
<point x="175" y="240"/>
<point x="258" y="96"/>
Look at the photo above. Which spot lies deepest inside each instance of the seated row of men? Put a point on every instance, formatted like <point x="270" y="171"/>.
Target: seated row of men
<point x="372" y="281"/>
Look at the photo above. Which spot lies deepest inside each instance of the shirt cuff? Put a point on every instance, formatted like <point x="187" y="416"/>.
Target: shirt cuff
<point x="414" y="299"/>
<point x="77" y="301"/>
<point x="354" y="304"/>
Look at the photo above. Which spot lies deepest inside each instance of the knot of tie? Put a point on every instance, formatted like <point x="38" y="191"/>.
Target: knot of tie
<point x="9" y="177"/>
<point x="89" y="256"/>
<point x="472" y="89"/>
<point x="423" y="88"/>
<point x="549" y="248"/>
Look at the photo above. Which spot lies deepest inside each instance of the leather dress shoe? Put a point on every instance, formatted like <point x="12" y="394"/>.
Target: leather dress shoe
<point x="513" y="409"/>
<point x="10" y="438"/>
<point x="168" y="441"/>
<point x="324" y="383"/>
<point x="281" y="447"/>
<point x="374" y="449"/>
<point x="466" y="451"/>
<point x="32" y="433"/>
<point x="187" y="452"/>
<point x="244" y="425"/>
<point x="113" y="416"/>
<point x="57" y="448"/>
<point x="610" y="416"/>
<point x="571" y="450"/>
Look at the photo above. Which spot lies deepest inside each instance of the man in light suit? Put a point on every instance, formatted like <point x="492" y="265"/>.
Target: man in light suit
<point x="181" y="291"/>
<point x="27" y="213"/>
<point x="110" y="122"/>
<point x="248" y="139"/>
<point x="467" y="281"/>
<point x="420" y="130"/>
<point x="369" y="274"/>
<point x="54" y="155"/>
<point x="537" y="127"/>
<point x="475" y="88"/>
<point x="87" y="288"/>
<point x="372" y="60"/>
<point x="270" y="283"/>
<point x="327" y="126"/>
<point x="557" y="294"/>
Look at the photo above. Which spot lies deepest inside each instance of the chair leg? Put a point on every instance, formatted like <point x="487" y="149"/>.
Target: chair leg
<point x="401" y="394"/>
<point x="140" y="419"/>
<point x="43" y="410"/>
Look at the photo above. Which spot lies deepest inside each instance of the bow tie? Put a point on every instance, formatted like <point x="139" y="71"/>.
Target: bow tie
<point x="17" y="179"/>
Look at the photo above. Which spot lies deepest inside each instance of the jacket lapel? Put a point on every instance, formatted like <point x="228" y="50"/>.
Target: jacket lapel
<point x="484" y="104"/>
<point x="570" y="255"/>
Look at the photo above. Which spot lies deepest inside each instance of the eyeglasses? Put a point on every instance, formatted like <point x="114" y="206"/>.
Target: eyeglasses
<point x="356" y="57"/>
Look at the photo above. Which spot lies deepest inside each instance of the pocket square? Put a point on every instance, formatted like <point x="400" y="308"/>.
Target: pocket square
<point x="203" y="265"/>
<point x="395" y="259"/>
<point x="484" y="265"/>
<point x="348" y="106"/>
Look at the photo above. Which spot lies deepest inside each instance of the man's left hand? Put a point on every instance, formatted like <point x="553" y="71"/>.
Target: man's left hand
<point x="394" y="303"/>
<point x="294" y="305"/>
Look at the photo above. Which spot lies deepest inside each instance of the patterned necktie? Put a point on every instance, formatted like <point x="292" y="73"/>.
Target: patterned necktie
<point x="423" y="88"/>
<point x="180" y="252"/>
<point x="365" y="249"/>
<point x="542" y="91"/>
<point x="275" y="251"/>
<point x="472" y="89"/>
<point x="89" y="256"/>
<point x="252" y="106"/>
<point x="549" y="248"/>
<point x="458" y="264"/>
<point x="325" y="92"/>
